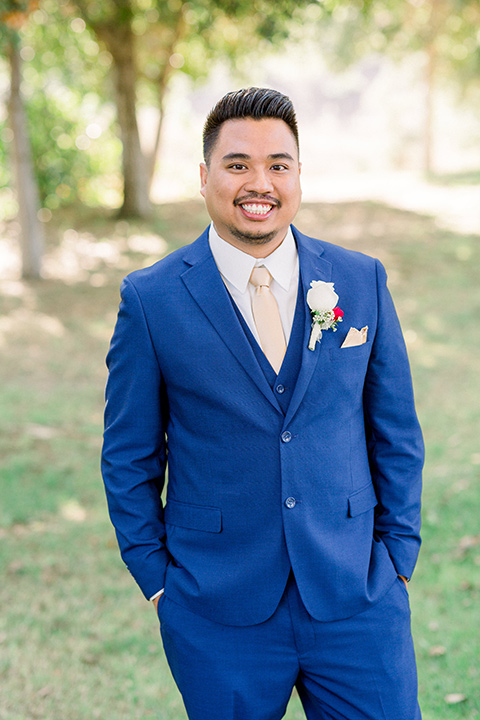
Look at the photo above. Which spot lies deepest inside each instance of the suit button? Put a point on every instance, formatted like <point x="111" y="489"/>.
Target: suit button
<point x="290" y="502"/>
<point x="280" y="389"/>
<point x="286" y="436"/>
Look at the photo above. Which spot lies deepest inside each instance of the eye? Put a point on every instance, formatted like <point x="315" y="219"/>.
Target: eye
<point x="237" y="166"/>
<point x="279" y="168"/>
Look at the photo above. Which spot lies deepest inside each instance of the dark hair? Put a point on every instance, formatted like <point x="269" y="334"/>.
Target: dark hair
<point x="256" y="103"/>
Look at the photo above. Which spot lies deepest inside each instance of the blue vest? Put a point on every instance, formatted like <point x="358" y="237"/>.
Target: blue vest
<point x="282" y="384"/>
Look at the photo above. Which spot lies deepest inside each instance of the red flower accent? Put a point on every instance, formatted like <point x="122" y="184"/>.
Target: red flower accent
<point x="337" y="312"/>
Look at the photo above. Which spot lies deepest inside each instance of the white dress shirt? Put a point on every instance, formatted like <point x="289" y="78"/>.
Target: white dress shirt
<point x="236" y="266"/>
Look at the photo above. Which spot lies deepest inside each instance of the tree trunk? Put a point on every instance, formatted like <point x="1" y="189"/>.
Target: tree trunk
<point x="32" y="232"/>
<point x="428" y="132"/>
<point x="120" y="42"/>
<point x="439" y="12"/>
<point x="152" y="160"/>
<point x="177" y="30"/>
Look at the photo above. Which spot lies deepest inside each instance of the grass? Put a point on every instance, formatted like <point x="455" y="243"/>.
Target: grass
<point x="77" y="640"/>
<point x="469" y="177"/>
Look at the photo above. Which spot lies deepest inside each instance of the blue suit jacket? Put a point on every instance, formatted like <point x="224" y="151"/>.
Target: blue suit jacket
<point x="185" y="385"/>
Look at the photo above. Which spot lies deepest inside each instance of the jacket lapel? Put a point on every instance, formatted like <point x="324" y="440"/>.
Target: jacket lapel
<point x="312" y="267"/>
<point x="204" y="283"/>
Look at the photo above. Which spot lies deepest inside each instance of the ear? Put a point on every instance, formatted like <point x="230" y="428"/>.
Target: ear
<point x="299" y="168"/>
<point x="203" y="178"/>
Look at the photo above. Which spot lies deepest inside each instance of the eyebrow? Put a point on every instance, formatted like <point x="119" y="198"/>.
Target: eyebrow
<point x="244" y="156"/>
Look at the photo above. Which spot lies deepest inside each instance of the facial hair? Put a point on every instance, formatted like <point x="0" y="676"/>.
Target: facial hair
<point x="251" y="238"/>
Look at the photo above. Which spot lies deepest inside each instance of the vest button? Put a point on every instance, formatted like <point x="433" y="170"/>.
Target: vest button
<point x="280" y="389"/>
<point x="286" y="436"/>
<point x="290" y="502"/>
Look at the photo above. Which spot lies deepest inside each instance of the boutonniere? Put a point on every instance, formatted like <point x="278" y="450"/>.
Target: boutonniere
<point x="322" y="301"/>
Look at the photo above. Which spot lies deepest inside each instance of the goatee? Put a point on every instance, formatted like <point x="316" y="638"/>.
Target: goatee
<point x="251" y="238"/>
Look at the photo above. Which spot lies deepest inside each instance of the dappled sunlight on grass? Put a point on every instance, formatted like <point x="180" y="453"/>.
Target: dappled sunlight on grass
<point x="73" y="511"/>
<point x="23" y="321"/>
<point x="83" y="245"/>
<point x="80" y="255"/>
<point x="454" y="207"/>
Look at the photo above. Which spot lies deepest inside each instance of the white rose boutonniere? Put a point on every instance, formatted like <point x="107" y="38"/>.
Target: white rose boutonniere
<point x="322" y="301"/>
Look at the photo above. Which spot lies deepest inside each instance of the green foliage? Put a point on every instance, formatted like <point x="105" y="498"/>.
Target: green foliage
<point x="75" y="149"/>
<point x="5" y="137"/>
<point x="67" y="66"/>
<point x="13" y="14"/>
<point x="72" y="126"/>
<point x="188" y="36"/>
<point x="448" y="28"/>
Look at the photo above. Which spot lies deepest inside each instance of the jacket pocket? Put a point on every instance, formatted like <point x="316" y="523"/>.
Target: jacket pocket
<point x="363" y="349"/>
<point x="362" y="500"/>
<point x="193" y="517"/>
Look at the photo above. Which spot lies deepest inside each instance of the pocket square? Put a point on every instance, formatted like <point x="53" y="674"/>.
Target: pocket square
<point x="355" y="337"/>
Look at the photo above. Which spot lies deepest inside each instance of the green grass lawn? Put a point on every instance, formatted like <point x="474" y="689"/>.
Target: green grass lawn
<point x="77" y="640"/>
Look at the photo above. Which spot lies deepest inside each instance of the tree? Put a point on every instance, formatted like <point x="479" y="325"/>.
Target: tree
<point x="13" y="14"/>
<point x="113" y="25"/>
<point x="443" y="32"/>
<point x="152" y="39"/>
<point x="72" y="119"/>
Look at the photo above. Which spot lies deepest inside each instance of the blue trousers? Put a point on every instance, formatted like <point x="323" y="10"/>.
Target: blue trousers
<point x="361" y="668"/>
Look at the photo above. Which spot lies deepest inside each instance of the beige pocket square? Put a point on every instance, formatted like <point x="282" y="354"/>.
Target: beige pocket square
<point x="355" y="337"/>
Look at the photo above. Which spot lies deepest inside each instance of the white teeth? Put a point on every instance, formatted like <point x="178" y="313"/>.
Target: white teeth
<point x="256" y="209"/>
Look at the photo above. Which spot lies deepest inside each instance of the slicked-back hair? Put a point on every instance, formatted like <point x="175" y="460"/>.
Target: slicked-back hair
<point x="255" y="103"/>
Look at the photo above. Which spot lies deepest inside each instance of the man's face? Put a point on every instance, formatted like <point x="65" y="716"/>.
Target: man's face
<point x="252" y="185"/>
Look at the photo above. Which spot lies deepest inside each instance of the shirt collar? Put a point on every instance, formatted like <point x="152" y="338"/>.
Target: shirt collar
<point x="236" y="266"/>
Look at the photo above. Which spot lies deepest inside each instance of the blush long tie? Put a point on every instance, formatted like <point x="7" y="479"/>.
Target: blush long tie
<point x="267" y="318"/>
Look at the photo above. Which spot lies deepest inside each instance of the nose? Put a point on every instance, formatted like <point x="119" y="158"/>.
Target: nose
<point x="259" y="181"/>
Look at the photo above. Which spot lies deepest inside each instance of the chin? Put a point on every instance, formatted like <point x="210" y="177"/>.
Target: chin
<point x="252" y="238"/>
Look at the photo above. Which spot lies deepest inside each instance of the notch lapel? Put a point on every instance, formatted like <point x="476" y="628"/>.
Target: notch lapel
<point x="204" y="283"/>
<point x="312" y="267"/>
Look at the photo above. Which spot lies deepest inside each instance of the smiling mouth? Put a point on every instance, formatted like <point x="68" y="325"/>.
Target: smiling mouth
<point x="256" y="208"/>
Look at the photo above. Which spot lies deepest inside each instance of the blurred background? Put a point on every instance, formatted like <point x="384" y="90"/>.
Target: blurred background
<point x="101" y="111"/>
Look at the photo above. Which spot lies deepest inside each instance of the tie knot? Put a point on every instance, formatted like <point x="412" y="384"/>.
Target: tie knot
<point x="260" y="277"/>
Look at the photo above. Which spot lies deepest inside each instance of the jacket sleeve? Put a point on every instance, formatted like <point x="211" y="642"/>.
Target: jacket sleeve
<point x="395" y="441"/>
<point x="134" y="449"/>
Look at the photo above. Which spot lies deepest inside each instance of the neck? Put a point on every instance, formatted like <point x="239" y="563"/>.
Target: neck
<point x="256" y="250"/>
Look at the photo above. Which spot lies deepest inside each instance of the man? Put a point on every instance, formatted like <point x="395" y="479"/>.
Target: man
<point x="269" y="370"/>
